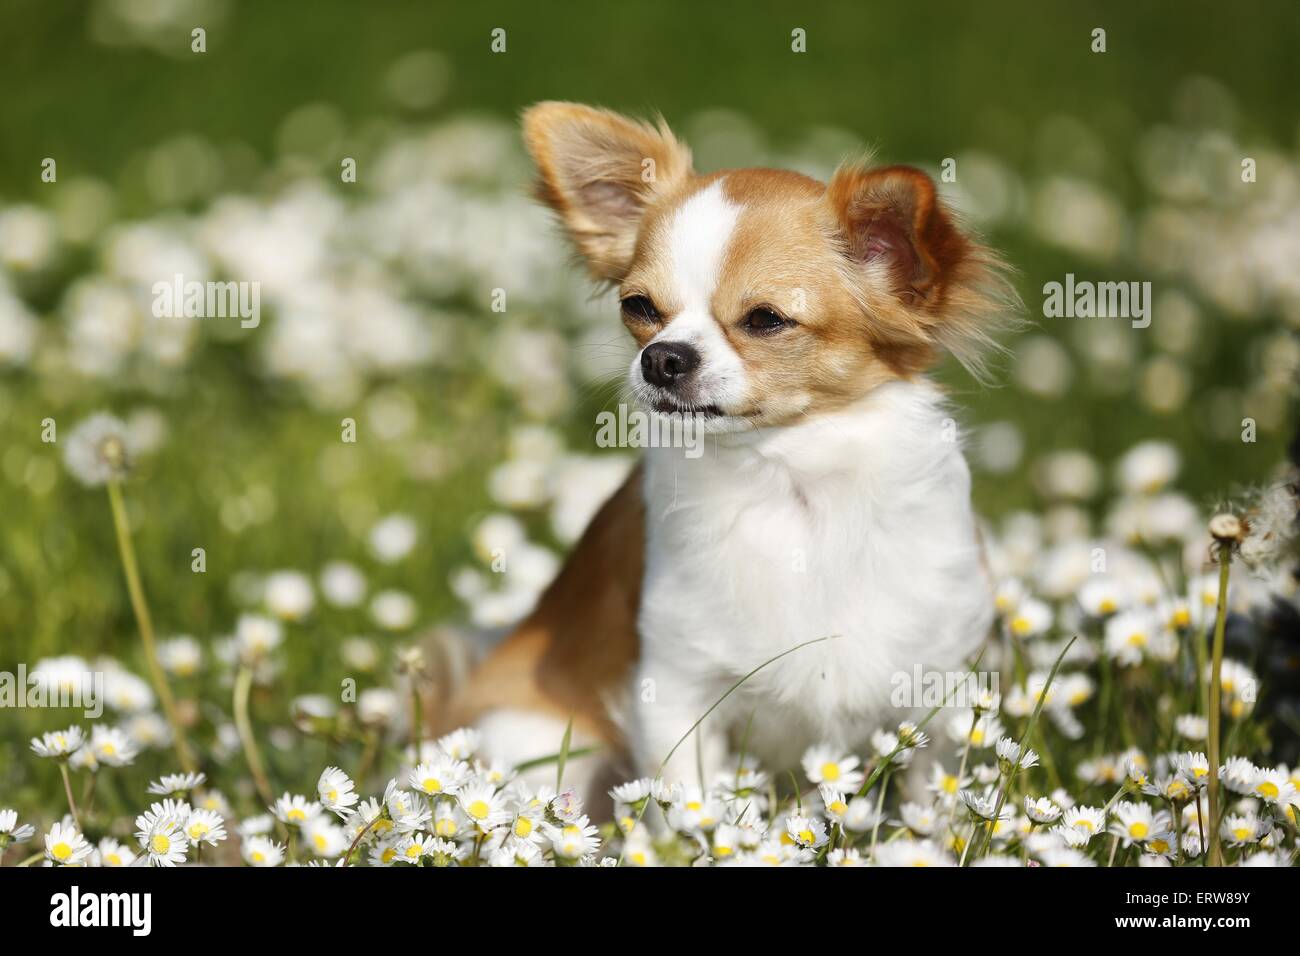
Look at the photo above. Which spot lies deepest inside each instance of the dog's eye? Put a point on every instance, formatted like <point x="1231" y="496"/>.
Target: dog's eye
<point x="764" y="319"/>
<point x="639" y="307"/>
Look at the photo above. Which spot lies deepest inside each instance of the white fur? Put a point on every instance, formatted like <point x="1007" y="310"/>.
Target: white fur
<point x="856" y="526"/>
<point x="697" y="239"/>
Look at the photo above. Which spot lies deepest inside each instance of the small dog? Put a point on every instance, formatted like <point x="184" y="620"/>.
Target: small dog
<point x="795" y="320"/>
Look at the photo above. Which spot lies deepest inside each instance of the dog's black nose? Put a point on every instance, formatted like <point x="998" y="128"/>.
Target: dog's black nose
<point x="665" y="363"/>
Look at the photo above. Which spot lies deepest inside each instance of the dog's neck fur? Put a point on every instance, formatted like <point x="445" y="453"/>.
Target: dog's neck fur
<point x="856" y="526"/>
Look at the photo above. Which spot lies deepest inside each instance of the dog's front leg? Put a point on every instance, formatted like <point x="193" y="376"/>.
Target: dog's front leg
<point x="667" y="703"/>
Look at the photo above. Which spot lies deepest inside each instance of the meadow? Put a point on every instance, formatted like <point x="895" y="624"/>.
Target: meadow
<point x="272" y="540"/>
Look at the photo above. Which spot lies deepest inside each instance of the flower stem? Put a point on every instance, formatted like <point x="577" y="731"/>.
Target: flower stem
<point x="243" y="686"/>
<point x="1215" y="856"/>
<point x="145" y="622"/>
<point x="67" y="788"/>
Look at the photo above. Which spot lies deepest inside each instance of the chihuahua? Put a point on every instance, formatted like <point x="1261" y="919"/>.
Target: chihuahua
<point x="825" y="543"/>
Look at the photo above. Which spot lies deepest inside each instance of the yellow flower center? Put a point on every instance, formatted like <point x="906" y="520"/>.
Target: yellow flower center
<point x="830" y="771"/>
<point x="432" y="785"/>
<point x="113" y="859"/>
<point x="161" y="844"/>
<point x="198" y="830"/>
<point x="523" y="827"/>
<point x="478" y="810"/>
<point x="1138" y="830"/>
<point x="1242" y="833"/>
<point x="413" y="851"/>
<point x="1267" y="788"/>
<point x="107" y="749"/>
<point x="257" y="856"/>
<point x="61" y="851"/>
<point x="296" y="815"/>
<point x="1137" y="639"/>
<point x="1107" y="606"/>
<point x="320" y="842"/>
<point x="806" y="836"/>
<point x="949" y="784"/>
<point x="388" y="854"/>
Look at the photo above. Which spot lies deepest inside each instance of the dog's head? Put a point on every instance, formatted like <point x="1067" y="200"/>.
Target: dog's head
<point x="759" y="296"/>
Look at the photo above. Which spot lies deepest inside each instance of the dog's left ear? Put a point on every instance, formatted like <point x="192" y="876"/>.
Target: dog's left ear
<point x="942" y="289"/>
<point x="600" y="171"/>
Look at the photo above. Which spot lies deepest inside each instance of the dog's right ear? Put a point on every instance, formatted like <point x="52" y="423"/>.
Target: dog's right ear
<point x="600" y="171"/>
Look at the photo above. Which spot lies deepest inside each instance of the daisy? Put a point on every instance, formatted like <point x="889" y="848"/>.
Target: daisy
<point x="65" y="846"/>
<point x="448" y="821"/>
<point x="1102" y="597"/>
<point x="484" y="806"/>
<point x="1128" y="636"/>
<point x="848" y="857"/>
<point x="1042" y="810"/>
<point x="861" y="815"/>
<point x="1009" y="756"/>
<point x="164" y="839"/>
<point x="1065" y="857"/>
<point x="573" y="841"/>
<point x="835" y="802"/>
<point x="823" y="764"/>
<point x="1192" y="727"/>
<point x="1085" y="822"/>
<point x="944" y="784"/>
<point x="980" y="733"/>
<point x="110" y="746"/>
<point x="1173" y="787"/>
<point x="982" y="807"/>
<point x="111" y="853"/>
<point x="1031" y="618"/>
<point x="1133" y="822"/>
<point x="294" y="810"/>
<point x="460" y="744"/>
<point x="444" y="853"/>
<point x="59" y="744"/>
<point x="1241" y="829"/>
<point x="387" y="852"/>
<point x="11" y="832"/>
<point x="919" y="819"/>
<point x="336" y="793"/>
<point x="1193" y="767"/>
<point x="1274" y="787"/>
<point x="176" y="783"/>
<point x="325" y="836"/>
<point x="912" y="853"/>
<point x="261" y="851"/>
<point x="1161" y="843"/>
<point x="1239" y="775"/>
<point x="205" y="826"/>
<point x="442" y="775"/>
<point x="806" y="832"/>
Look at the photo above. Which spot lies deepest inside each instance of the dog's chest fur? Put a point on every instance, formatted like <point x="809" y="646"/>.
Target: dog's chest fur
<point x="855" y="526"/>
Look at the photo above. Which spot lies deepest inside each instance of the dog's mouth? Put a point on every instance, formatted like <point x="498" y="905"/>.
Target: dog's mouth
<point x="669" y="407"/>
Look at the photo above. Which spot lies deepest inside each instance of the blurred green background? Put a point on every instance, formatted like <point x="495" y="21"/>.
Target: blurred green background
<point x="1121" y="165"/>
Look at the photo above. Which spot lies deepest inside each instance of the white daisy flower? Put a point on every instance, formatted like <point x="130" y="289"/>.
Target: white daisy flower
<point x="483" y="805"/>
<point x="1065" y="856"/>
<point x="65" y="846"/>
<point x="324" y="836"/>
<point x="175" y="783"/>
<point x="575" y="840"/>
<point x="912" y="853"/>
<point x="460" y="744"/>
<point x="11" y="832"/>
<point x="59" y="744"/>
<point x="256" y="637"/>
<point x="806" y="832"/>
<point x="824" y="764"/>
<point x="1133" y="823"/>
<point x="443" y="774"/>
<point x="294" y="809"/>
<point x="262" y="851"/>
<point x="205" y="826"/>
<point x="110" y="852"/>
<point x="1030" y="618"/>
<point x="335" y="789"/>
<point x="164" y="839"/>
<point x="1042" y="810"/>
<point x="1082" y="823"/>
<point x="1242" y="829"/>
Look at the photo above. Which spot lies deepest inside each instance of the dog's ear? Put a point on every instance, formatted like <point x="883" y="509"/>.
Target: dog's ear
<point x="600" y="171"/>
<point x="941" y="289"/>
